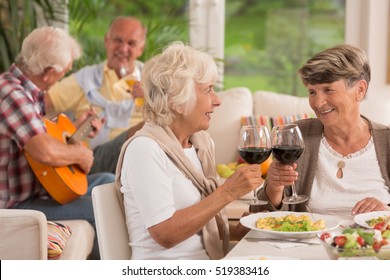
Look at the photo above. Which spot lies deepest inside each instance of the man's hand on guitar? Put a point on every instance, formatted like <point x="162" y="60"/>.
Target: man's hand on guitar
<point x="95" y="123"/>
<point x="59" y="158"/>
<point x="87" y="158"/>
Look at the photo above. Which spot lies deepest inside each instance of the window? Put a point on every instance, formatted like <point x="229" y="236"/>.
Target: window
<point x="267" y="41"/>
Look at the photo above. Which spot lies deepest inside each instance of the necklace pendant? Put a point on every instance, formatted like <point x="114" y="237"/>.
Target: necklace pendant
<point x="340" y="165"/>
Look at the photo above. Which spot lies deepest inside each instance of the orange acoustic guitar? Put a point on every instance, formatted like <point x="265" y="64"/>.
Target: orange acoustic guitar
<point x="63" y="183"/>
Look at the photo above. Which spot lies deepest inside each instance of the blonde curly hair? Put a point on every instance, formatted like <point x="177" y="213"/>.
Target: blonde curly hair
<point x="169" y="81"/>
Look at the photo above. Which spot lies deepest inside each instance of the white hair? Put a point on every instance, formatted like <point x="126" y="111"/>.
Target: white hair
<point x="47" y="47"/>
<point x="169" y="81"/>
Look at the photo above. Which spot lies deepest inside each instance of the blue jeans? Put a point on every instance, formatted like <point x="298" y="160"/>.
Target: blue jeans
<point x="80" y="208"/>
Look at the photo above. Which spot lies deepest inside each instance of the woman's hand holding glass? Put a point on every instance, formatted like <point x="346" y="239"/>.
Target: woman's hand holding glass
<point x="244" y="180"/>
<point x="287" y="147"/>
<point x="278" y="176"/>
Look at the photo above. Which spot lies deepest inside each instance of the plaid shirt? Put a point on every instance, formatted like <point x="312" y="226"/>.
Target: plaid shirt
<point x="21" y="108"/>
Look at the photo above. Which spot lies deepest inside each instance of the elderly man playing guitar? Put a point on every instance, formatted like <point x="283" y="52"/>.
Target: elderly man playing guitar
<point x="47" y="54"/>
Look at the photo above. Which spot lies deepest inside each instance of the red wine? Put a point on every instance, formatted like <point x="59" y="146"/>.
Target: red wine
<point x="254" y="155"/>
<point x="287" y="154"/>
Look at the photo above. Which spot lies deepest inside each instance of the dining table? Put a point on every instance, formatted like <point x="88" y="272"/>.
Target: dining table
<point x="257" y="245"/>
<point x="252" y="246"/>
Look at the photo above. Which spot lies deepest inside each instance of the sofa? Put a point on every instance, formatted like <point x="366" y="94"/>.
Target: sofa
<point x="24" y="236"/>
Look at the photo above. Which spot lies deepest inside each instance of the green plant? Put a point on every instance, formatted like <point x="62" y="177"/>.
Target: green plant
<point x="267" y="41"/>
<point x="17" y="19"/>
<point x="166" y="22"/>
<point x="162" y="32"/>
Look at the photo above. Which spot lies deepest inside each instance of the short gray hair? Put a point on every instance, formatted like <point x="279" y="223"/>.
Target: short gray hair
<point x="47" y="47"/>
<point x="343" y="62"/>
<point x="169" y="81"/>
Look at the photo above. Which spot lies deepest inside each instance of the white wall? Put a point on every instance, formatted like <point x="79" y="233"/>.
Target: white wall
<point x="367" y="26"/>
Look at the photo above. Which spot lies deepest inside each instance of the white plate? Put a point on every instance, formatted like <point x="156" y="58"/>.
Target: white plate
<point x="250" y="222"/>
<point x="260" y="258"/>
<point x="361" y="219"/>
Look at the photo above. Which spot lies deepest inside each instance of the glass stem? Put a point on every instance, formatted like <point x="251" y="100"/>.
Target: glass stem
<point x="294" y="192"/>
<point x="254" y="195"/>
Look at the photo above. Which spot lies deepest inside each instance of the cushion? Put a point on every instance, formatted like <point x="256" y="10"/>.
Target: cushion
<point x="58" y="235"/>
<point x="270" y="122"/>
<point x="273" y="104"/>
<point x="80" y="245"/>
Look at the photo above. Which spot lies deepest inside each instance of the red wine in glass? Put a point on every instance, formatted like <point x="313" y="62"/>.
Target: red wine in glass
<point x="254" y="155"/>
<point x="254" y="147"/>
<point x="287" y="154"/>
<point x="287" y="147"/>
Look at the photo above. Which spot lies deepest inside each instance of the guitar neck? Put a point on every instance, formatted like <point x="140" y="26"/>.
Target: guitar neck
<point x="83" y="131"/>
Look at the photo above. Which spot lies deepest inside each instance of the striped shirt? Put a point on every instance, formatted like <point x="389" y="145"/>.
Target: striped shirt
<point x="21" y="109"/>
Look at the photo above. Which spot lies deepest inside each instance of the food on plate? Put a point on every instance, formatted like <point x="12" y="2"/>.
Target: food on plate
<point x="358" y="243"/>
<point x="290" y="223"/>
<point x="378" y="222"/>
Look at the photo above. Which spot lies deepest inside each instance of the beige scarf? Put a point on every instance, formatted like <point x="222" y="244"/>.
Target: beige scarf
<point x="206" y="182"/>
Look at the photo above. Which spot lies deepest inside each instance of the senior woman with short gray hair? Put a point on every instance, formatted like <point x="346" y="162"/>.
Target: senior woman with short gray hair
<point x="345" y="167"/>
<point x="174" y="206"/>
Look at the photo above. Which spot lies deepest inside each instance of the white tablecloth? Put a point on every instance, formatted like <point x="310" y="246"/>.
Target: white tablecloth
<point x="266" y="249"/>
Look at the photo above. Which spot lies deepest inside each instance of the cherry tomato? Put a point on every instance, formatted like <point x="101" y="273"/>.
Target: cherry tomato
<point x="325" y="235"/>
<point x="379" y="226"/>
<point x="340" y="240"/>
<point x="384" y="242"/>
<point x="376" y="246"/>
<point x="360" y="240"/>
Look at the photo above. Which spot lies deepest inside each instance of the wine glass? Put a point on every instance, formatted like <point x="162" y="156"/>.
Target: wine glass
<point x="131" y="79"/>
<point x="287" y="147"/>
<point x="254" y="147"/>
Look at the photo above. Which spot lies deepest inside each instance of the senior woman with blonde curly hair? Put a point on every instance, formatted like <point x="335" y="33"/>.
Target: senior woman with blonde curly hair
<point x="174" y="206"/>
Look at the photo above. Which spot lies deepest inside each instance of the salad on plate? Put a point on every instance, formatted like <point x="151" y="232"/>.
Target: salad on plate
<point x="371" y="219"/>
<point x="357" y="243"/>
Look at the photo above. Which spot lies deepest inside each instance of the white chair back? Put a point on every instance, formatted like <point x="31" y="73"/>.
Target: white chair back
<point x="110" y="222"/>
